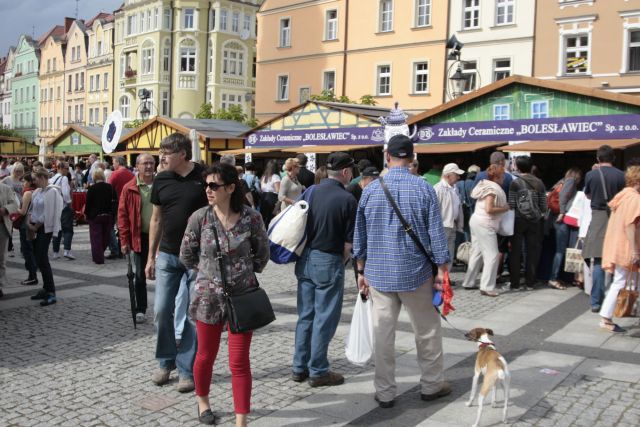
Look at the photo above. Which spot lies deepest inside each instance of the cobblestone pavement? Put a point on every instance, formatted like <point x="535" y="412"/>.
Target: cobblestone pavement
<point x="80" y="362"/>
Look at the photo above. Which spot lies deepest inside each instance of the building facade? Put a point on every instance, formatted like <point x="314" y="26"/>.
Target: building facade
<point x="75" y="74"/>
<point x="25" y="89"/>
<point x="100" y="76"/>
<point x="51" y="76"/>
<point x="594" y="43"/>
<point x="183" y="53"/>
<point x="498" y="40"/>
<point x="380" y="48"/>
<point x="6" y="94"/>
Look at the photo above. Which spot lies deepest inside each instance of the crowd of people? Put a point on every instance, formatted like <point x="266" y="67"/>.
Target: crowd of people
<point x="197" y="230"/>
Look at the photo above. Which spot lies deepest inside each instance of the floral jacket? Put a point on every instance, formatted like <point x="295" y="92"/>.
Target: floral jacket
<point x="245" y="250"/>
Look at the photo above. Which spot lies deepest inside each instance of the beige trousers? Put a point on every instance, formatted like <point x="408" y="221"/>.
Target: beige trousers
<point x="425" y="322"/>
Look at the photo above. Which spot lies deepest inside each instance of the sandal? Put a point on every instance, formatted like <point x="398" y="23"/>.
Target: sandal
<point x="489" y="294"/>
<point x="610" y="326"/>
<point x="556" y="285"/>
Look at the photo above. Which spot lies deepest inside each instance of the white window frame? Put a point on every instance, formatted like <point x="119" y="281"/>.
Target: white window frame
<point x="564" y="38"/>
<point x="165" y="103"/>
<point x="626" y="47"/>
<point x="235" y="22"/>
<point x="190" y="54"/>
<point x="380" y="74"/>
<point x="331" y="24"/>
<point x="505" y="5"/>
<point x="416" y="73"/>
<point x="385" y="16"/>
<point x="539" y="114"/>
<point x="91" y="87"/>
<point x="474" y="11"/>
<point x="246" y="22"/>
<point x="105" y="87"/>
<point x="224" y="14"/>
<point x="166" y="56"/>
<point x="233" y="61"/>
<point x="282" y="87"/>
<point x="189" y="16"/>
<point x="325" y="80"/>
<point x="147" y="60"/>
<point x="423" y="13"/>
<point x="495" y="69"/>
<point x="473" y="72"/>
<point x="285" y="32"/>
<point x="501" y="115"/>
<point x="125" y="109"/>
<point x="166" y="19"/>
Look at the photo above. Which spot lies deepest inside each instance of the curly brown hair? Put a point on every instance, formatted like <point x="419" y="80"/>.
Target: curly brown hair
<point x="632" y="176"/>
<point x="495" y="172"/>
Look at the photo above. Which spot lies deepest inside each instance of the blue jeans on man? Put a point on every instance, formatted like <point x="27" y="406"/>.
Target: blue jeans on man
<point x="320" y="291"/>
<point x="66" y="230"/>
<point x="169" y="272"/>
<point x="598" y="288"/>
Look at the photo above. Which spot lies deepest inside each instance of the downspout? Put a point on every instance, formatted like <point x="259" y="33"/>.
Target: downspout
<point x="206" y="66"/>
<point x="171" y="62"/>
<point x="344" y="51"/>
<point x="533" y="41"/>
<point x="113" y="68"/>
<point x="446" y="65"/>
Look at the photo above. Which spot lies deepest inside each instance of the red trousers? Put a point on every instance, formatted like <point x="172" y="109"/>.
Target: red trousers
<point x="208" y="345"/>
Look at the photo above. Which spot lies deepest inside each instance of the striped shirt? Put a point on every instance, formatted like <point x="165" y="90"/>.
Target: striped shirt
<point x="393" y="261"/>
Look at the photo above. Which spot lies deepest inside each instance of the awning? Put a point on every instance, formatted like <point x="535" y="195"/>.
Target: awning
<point x="454" y="148"/>
<point x="559" y="147"/>
<point x="328" y="148"/>
<point x="239" y="151"/>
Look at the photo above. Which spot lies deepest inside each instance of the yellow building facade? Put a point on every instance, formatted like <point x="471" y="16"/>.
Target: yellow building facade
<point x="390" y="49"/>
<point x="75" y="74"/>
<point x="100" y="78"/>
<point x="51" y="78"/>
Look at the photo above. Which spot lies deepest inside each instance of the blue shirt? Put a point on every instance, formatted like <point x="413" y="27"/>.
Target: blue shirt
<point x="393" y="261"/>
<point x="508" y="178"/>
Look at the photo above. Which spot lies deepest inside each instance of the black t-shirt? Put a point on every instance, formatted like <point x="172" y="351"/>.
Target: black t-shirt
<point x="331" y="222"/>
<point x="178" y="197"/>
<point x="306" y="177"/>
<point x="614" y="182"/>
<point x="356" y="190"/>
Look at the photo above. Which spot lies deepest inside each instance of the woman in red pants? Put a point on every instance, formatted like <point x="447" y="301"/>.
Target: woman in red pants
<point x="100" y="210"/>
<point x="245" y="251"/>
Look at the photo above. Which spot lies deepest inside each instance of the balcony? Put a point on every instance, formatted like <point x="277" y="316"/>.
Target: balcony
<point x="230" y="81"/>
<point x="186" y="82"/>
<point x="130" y="77"/>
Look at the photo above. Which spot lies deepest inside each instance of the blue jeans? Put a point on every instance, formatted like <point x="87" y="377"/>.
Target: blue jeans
<point x="320" y="290"/>
<point x="66" y="230"/>
<point x="182" y="306"/>
<point x="169" y="272"/>
<point x="598" y="276"/>
<point x="26" y="247"/>
<point x="562" y="240"/>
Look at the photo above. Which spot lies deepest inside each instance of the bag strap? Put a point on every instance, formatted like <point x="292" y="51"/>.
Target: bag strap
<point x="405" y="225"/>
<point x="223" y="273"/>
<point x="604" y="186"/>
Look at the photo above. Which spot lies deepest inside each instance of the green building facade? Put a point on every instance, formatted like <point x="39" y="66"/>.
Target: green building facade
<point x="26" y="89"/>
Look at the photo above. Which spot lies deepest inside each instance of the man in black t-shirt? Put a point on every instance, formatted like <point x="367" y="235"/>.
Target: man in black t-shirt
<point x="177" y="192"/>
<point x="305" y="176"/>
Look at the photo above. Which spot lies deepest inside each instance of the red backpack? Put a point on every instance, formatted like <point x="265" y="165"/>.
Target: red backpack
<point x="553" y="198"/>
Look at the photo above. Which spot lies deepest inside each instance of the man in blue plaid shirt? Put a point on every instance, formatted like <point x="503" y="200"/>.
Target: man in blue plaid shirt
<point x="395" y="272"/>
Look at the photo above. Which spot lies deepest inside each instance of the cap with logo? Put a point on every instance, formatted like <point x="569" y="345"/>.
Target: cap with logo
<point x="371" y="171"/>
<point x="400" y="146"/>
<point x="339" y="161"/>
<point x="452" y="168"/>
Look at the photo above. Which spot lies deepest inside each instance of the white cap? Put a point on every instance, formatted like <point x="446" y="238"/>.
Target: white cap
<point x="452" y="168"/>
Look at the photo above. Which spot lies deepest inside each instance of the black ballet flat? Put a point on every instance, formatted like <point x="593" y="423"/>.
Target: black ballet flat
<point x="206" y="417"/>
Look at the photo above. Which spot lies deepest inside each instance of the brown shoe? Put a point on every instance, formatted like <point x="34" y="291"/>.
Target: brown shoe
<point x="444" y="391"/>
<point x="329" y="379"/>
<point x="161" y="376"/>
<point x="185" y="385"/>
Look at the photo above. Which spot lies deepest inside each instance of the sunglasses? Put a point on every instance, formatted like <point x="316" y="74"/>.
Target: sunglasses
<point x="214" y="186"/>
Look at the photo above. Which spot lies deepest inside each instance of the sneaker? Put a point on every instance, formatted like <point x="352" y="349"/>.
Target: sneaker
<point x="299" y="376"/>
<point x="384" y="405"/>
<point x="29" y="282"/>
<point x="42" y="294"/>
<point x="185" y="385"/>
<point x="161" y="376"/>
<point x="506" y="286"/>
<point x="56" y="255"/>
<point x="140" y="318"/>
<point x="329" y="379"/>
<point x="48" y="300"/>
<point x="111" y="256"/>
<point x="1" y="293"/>
<point x="69" y="255"/>
<point x="444" y="391"/>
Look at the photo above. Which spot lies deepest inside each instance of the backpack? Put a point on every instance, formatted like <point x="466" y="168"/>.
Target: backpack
<point x="525" y="204"/>
<point x="553" y="198"/>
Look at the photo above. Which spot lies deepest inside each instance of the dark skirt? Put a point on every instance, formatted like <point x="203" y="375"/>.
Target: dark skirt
<point x="594" y="240"/>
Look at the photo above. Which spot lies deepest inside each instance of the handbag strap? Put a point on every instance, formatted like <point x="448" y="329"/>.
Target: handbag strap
<point x="223" y="273"/>
<point x="405" y="225"/>
<point x="604" y="186"/>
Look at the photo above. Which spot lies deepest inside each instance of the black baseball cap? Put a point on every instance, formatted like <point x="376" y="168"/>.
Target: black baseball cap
<point x="339" y="161"/>
<point x="371" y="171"/>
<point x="400" y="146"/>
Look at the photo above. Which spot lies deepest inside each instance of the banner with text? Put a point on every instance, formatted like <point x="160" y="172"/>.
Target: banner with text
<point x="296" y="138"/>
<point x="619" y="126"/>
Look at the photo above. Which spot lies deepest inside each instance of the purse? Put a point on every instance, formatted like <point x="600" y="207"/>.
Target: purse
<point x="627" y="297"/>
<point x="507" y="222"/>
<point x="247" y="311"/>
<point x="17" y="220"/>
<point x="573" y="259"/>
<point x="464" y="252"/>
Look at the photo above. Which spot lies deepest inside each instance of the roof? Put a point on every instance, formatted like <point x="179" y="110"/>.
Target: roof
<point x="3" y="65"/>
<point x="104" y="17"/>
<point x="560" y="147"/>
<point x="460" y="147"/>
<point x="57" y="32"/>
<point x="530" y="81"/>
<point x="94" y="133"/>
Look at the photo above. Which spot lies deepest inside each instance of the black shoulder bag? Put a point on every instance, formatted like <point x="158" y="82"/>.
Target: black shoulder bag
<point x="249" y="310"/>
<point x="604" y="189"/>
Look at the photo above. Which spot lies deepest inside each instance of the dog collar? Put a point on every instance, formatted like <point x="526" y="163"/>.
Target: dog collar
<point x="486" y="344"/>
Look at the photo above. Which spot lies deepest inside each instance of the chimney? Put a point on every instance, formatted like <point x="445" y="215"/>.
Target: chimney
<point x="67" y="24"/>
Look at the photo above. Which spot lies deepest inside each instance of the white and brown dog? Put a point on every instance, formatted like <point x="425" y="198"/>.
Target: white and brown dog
<point x="493" y="367"/>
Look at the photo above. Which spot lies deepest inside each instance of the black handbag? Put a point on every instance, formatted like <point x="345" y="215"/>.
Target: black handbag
<point x="247" y="311"/>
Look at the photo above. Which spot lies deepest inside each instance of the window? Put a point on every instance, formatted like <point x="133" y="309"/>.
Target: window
<point x="228" y="100"/>
<point x="59" y="92"/>
<point x="421" y="77"/>
<point x="188" y="16"/>
<point x="82" y="80"/>
<point x="58" y="123"/>
<point x="235" y="22"/>
<point x="187" y="59"/>
<point x="212" y="19"/>
<point x="73" y="54"/>
<point x="329" y="81"/>
<point x="386" y="15"/>
<point x="69" y="120"/>
<point x="504" y="12"/>
<point x="384" y="80"/>
<point x="246" y="23"/>
<point x="149" y="27"/>
<point x="501" y="69"/>
<point x="54" y="64"/>
<point x="90" y="116"/>
<point x="501" y="112"/>
<point x="48" y="65"/>
<point x="165" y="103"/>
<point x="125" y="106"/>
<point x="423" y="13"/>
<point x="331" y="25"/>
<point x="283" y="88"/>
<point x="285" y="32"/>
<point x="147" y="60"/>
<point x="77" y="114"/>
<point x="28" y="97"/>
<point x="131" y="25"/>
<point x="634" y="51"/>
<point x="470" y="69"/>
<point x="576" y="54"/>
<point x="223" y="19"/>
<point x="99" y="52"/>
<point x="156" y="18"/>
<point x="233" y="60"/>
<point x="166" y="56"/>
<point x="91" y="86"/>
<point x="106" y="82"/>
<point x="471" y="14"/>
<point x="50" y="94"/>
<point x="105" y="113"/>
<point x="166" y="19"/>
<point x="540" y="109"/>
<point x="70" y="85"/>
<point x="141" y="19"/>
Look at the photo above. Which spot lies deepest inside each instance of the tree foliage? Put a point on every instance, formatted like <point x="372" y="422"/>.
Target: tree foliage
<point x="9" y="132"/>
<point x="234" y="112"/>
<point x="329" y="96"/>
<point x="133" y="124"/>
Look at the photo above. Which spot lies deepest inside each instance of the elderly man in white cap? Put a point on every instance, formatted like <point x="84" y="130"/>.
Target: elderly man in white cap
<point x="450" y="204"/>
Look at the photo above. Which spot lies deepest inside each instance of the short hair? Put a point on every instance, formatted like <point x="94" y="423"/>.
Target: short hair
<point x="98" y="174"/>
<point x="605" y="154"/>
<point x="239" y="169"/>
<point x="495" y="172"/>
<point x="61" y="165"/>
<point x="496" y="158"/>
<point x="334" y="174"/>
<point x="121" y="160"/>
<point x="229" y="159"/>
<point x="250" y="166"/>
<point x="142" y="156"/>
<point x="177" y="142"/>
<point x="632" y="176"/>
<point x="302" y="159"/>
<point x="291" y="163"/>
<point x="17" y="167"/>
<point x="523" y="163"/>
<point x="40" y="172"/>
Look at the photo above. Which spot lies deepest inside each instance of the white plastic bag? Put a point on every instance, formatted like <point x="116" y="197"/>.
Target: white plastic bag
<point x="359" y="344"/>
<point x="507" y="221"/>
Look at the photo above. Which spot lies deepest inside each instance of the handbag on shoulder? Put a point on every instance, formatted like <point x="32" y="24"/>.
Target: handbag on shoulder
<point x="247" y="311"/>
<point x="573" y="259"/>
<point x="627" y="297"/>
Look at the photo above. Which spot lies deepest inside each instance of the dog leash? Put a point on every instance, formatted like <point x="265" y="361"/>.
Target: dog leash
<point x="454" y="328"/>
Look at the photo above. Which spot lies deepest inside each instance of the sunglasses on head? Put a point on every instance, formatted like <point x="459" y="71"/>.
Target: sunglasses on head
<point x="213" y="186"/>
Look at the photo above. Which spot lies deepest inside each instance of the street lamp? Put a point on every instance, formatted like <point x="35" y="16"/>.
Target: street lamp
<point x="459" y="82"/>
<point x="144" y="95"/>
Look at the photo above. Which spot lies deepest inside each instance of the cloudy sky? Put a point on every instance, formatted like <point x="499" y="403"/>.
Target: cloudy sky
<point x="21" y="16"/>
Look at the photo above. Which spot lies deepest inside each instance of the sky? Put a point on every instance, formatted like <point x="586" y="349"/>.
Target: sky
<point x="21" y="16"/>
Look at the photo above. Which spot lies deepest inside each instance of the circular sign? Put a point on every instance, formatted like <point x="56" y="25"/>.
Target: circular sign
<point x="111" y="132"/>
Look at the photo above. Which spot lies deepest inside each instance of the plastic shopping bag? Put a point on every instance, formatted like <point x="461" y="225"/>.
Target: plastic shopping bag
<point x="359" y="345"/>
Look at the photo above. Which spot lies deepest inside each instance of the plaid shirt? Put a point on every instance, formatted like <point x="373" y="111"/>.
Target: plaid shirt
<point x="393" y="261"/>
